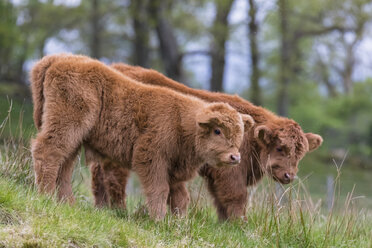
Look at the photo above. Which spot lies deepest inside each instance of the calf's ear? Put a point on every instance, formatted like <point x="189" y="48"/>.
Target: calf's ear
<point x="314" y="141"/>
<point x="248" y="122"/>
<point x="263" y="134"/>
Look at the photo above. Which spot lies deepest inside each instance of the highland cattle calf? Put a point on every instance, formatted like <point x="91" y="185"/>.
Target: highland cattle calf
<point x="164" y="136"/>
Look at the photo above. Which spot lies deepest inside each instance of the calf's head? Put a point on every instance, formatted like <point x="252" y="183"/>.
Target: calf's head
<point x="220" y="134"/>
<point x="283" y="145"/>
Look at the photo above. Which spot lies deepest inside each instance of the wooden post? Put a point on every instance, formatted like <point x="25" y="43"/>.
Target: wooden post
<point x="279" y="193"/>
<point x="330" y="192"/>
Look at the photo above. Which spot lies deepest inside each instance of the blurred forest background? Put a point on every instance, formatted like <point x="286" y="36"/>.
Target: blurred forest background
<point x="308" y="60"/>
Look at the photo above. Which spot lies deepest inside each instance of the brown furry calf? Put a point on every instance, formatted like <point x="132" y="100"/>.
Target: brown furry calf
<point x="162" y="135"/>
<point x="274" y="146"/>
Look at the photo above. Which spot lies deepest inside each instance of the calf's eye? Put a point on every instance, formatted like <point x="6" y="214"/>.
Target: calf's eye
<point x="217" y="131"/>
<point x="279" y="149"/>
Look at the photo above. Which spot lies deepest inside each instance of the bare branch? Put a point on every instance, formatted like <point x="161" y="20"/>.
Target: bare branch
<point x="322" y="30"/>
<point x="195" y="53"/>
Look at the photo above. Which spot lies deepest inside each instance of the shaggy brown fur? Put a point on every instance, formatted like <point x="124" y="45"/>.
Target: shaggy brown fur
<point x="275" y="146"/>
<point x="162" y="135"/>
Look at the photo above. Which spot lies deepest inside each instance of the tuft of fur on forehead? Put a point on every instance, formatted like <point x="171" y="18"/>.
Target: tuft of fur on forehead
<point x="225" y="117"/>
<point x="291" y="135"/>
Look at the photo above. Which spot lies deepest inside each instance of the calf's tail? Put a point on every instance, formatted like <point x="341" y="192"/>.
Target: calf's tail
<point x="37" y="86"/>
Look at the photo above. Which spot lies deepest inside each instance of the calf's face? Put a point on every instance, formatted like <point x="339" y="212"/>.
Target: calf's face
<point x="282" y="148"/>
<point x="220" y="134"/>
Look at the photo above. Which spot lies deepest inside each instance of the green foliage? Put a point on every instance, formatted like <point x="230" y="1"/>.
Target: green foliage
<point x="192" y="11"/>
<point x="7" y="27"/>
<point x="10" y="37"/>
<point x="24" y="30"/>
<point x="344" y="122"/>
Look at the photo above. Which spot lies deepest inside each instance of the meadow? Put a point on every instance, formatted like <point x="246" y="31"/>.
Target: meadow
<point x="297" y="218"/>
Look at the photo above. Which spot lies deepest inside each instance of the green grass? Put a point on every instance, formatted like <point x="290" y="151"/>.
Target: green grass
<point x="350" y="178"/>
<point x="15" y="118"/>
<point x="35" y="221"/>
<point x="30" y="220"/>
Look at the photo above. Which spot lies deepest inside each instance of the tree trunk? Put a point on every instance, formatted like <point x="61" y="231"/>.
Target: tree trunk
<point x="284" y="67"/>
<point x="95" y="43"/>
<point x="325" y="77"/>
<point x="169" y="48"/>
<point x="348" y="71"/>
<point x="141" y="50"/>
<point x="349" y="63"/>
<point x="255" y="56"/>
<point x="19" y="76"/>
<point x="220" y="34"/>
<point x="41" y="46"/>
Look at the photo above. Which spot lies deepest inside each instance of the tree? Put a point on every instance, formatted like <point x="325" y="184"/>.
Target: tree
<point x="95" y="42"/>
<point x="26" y="38"/>
<point x="9" y="39"/>
<point x="220" y="34"/>
<point x="349" y="45"/>
<point x="255" y="95"/>
<point x="140" y="16"/>
<point x="284" y="73"/>
<point x="335" y="63"/>
<point x="296" y="25"/>
<point x="168" y="44"/>
<point x="322" y="73"/>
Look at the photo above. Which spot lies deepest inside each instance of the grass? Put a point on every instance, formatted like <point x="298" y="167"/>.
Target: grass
<point x="35" y="221"/>
<point x="15" y="118"/>
<point x="297" y="219"/>
<point x="28" y="219"/>
<point x="356" y="180"/>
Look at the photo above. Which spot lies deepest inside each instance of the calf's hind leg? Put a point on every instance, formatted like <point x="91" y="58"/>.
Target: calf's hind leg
<point x="115" y="179"/>
<point x="100" y="194"/>
<point x="55" y="147"/>
<point x="53" y="158"/>
<point x="94" y="160"/>
<point x="228" y="189"/>
<point x="109" y="180"/>
<point x="64" y="185"/>
<point x="229" y="200"/>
